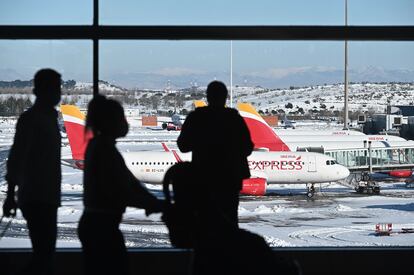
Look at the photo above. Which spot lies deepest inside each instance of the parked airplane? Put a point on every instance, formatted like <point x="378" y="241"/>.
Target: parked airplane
<point x="248" y="112"/>
<point x="266" y="167"/>
<point x="265" y="137"/>
<point x="288" y="136"/>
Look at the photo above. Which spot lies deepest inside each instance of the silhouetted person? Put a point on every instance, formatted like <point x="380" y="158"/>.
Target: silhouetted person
<point x="220" y="247"/>
<point x="220" y="143"/>
<point x="109" y="187"/>
<point x="34" y="167"/>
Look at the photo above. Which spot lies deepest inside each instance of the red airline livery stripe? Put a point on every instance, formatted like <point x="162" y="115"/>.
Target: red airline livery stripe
<point x="264" y="136"/>
<point x="177" y="157"/>
<point x="78" y="139"/>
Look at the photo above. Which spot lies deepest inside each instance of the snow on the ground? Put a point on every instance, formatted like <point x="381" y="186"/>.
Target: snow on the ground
<point x="331" y="220"/>
<point x="362" y="97"/>
<point x="337" y="216"/>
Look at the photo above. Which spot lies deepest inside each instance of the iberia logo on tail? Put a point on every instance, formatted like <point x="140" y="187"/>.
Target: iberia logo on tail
<point x="74" y="121"/>
<point x="261" y="134"/>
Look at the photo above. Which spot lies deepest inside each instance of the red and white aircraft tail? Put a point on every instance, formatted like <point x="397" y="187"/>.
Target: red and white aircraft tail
<point x="74" y="121"/>
<point x="261" y="134"/>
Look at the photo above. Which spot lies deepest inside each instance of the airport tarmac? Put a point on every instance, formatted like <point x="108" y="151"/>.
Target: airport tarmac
<point x="336" y="216"/>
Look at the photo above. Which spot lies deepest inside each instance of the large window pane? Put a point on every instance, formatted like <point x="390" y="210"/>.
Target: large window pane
<point x="380" y="12"/>
<point x="19" y="61"/>
<point x="152" y="64"/>
<point x="301" y="80"/>
<point x="46" y="12"/>
<point x="216" y="12"/>
<point x="263" y="12"/>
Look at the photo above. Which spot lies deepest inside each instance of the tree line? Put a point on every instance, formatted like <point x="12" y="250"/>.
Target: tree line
<point x="69" y="84"/>
<point x="14" y="106"/>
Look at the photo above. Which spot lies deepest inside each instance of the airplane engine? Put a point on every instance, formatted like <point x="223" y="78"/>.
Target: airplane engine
<point x="254" y="187"/>
<point x="401" y="173"/>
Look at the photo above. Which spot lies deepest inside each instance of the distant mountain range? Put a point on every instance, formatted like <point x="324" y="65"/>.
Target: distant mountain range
<point x="10" y="75"/>
<point x="271" y="78"/>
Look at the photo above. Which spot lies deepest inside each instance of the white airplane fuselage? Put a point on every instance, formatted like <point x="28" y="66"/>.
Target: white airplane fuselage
<point x="341" y="145"/>
<point x="299" y="132"/>
<point x="339" y="138"/>
<point x="274" y="167"/>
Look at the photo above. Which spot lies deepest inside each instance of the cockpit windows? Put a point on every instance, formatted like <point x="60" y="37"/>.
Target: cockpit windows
<point x="331" y="162"/>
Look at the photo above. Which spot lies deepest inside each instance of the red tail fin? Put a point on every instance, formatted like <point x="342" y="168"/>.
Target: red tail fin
<point x="262" y="135"/>
<point x="74" y="121"/>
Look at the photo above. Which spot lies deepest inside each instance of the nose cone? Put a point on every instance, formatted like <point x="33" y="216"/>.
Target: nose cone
<point x="343" y="172"/>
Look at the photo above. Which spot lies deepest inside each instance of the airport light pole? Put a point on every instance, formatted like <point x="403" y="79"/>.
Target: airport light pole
<point x="346" y="118"/>
<point x="95" y="43"/>
<point x="231" y="73"/>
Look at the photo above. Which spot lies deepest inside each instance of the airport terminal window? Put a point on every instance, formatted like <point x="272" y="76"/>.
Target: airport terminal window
<point x="393" y="12"/>
<point x="268" y="73"/>
<point x="262" y="12"/>
<point x="216" y="12"/>
<point x="19" y="61"/>
<point x="46" y="12"/>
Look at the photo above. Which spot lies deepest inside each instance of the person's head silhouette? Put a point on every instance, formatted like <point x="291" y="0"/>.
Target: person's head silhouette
<point x="47" y="87"/>
<point x="216" y="94"/>
<point x="106" y="117"/>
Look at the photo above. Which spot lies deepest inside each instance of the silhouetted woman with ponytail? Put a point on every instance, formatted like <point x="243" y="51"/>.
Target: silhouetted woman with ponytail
<point x="109" y="187"/>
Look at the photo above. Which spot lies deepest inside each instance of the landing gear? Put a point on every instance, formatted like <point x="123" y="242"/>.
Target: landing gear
<point x="311" y="190"/>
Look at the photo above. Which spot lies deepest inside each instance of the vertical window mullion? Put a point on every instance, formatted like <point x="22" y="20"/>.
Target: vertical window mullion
<point x="95" y="48"/>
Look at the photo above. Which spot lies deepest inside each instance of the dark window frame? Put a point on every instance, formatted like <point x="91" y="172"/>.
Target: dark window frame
<point x="97" y="32"/>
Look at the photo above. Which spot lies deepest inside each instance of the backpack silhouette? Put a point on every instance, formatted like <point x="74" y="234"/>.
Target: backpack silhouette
<point x="180" y="211"/>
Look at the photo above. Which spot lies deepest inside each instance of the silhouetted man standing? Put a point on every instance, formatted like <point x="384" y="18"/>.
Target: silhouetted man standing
<point x="34" y="167"/>
<point x="220" y="142"/>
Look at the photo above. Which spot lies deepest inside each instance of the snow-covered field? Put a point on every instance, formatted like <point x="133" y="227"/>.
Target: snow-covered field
<point x="362" y="97"/>
<point x="337" y="216"/>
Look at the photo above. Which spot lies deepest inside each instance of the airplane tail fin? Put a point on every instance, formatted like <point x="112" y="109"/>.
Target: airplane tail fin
<point x="74" y="121"/>
<point x="199" y="103"/>
<point x="262" y="135"/>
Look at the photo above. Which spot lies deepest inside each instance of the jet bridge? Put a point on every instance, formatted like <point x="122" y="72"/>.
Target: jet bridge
<point x="363" y="162"/>
<point x="375" y="159"/>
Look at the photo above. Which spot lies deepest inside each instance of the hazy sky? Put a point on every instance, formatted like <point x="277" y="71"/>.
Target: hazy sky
<point x="179" y="58"/>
